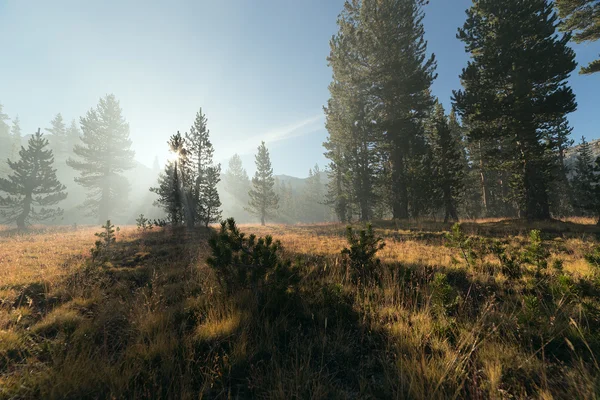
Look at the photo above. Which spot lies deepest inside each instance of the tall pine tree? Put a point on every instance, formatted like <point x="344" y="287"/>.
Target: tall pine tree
<point x="32" y="187"/>
<point x="175" y="184"/>
<point x="205" y="175"/>
<point x="58" y="139"/>
<point x="586" y="182"/>
<point x="263" y="200"/>
<point x="73" y="137"/>
<point x="448" y="165"/>
<point x="103" y="155"/>
<point x="514" y="86"/>
<point x="15" y="133"/>
<point x="5" y="140"/>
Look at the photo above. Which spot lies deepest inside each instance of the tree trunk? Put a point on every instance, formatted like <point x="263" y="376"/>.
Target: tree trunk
<point x="536" y="196"/>
<point x="25" y="213"/>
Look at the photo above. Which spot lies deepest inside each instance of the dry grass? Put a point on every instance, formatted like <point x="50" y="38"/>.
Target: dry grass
<point x="152" y="321"/>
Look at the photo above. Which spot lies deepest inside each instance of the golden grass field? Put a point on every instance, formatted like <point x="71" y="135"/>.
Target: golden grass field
<point x="151" y="320"/>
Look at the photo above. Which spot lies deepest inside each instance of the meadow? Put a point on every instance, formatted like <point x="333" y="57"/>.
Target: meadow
<point x="489" y="310"/>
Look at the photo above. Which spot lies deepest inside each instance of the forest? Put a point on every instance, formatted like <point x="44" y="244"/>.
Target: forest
<point x="444" y="251"/>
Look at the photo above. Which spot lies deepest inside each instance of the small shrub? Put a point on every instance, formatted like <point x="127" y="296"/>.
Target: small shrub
<point x="443" y="296"/>
<point x="143" y="223"/>
<point x="536" y="252"/>
<point x="593" y="260"/>
<point x="457" y="239"/>
<point x="510" y="264"/>
<point x="242" y="262"/>
<point x="103" y="246"/>
<point x="361" y="254"/>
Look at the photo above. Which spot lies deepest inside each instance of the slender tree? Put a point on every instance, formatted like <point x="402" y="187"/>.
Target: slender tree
<point x="169" y="193"/>
<point x="447" y="163"/>
<point x="586" y="182"/>
<point x="209" y="194"/>
<point x="73" y="137"/>
<point x="32" y="187"/>
<point x="515" y="85"/>
<point x="15" y="132"/>
<point x="582" y="19"/>
<point x="103" y="155"/>
<point x="58" y="139"/>
<point x="263" y="200"/>
<point x="5" y="140"/>
<point x="315" y="195"/>
<point x="201" y="151"/>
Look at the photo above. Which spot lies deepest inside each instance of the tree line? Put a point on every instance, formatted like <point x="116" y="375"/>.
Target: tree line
<point x="499" y="152"/>
<point x="98" y="151"/>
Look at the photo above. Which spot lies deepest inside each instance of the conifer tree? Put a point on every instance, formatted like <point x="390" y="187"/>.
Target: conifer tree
<point x="315" y="195"/>
<point x="586" y="182"/>
<point x="448" y="167"/>
<point x="174" y="185"/>
<point x="58" y="139"/>
<point x="103" y="155"/>
<point x="380" y="53"/>
<point x="200" y="151"/>
<point x="5" y="140"/>
<point x="263" y="201"/>
<point x="582" y="18"/>
<point x="236" y="185"/>
<point x="15" y="132"/>
<point x="169" y="194"/>
<point x="209" y="195"/>
<point x="515" y="86"/>
<point x="73" y="137"/>
<point x="28" y="193"/>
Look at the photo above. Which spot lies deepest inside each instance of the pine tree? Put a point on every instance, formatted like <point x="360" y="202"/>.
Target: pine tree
<point x="236" y="185"/>
<point x="201" y="151"/>
<point x="379" y="58"/>
<point x="58" y="138"/>
<point x="586" y="182"/>
<point x="104" y="153"/>
<point x="514" y="86"/>
<point x="73" y="137"/>
<point x="15" y="132"/>
<point x="582" y="18"/>
<point x="315" y="196"/>
<point x="169" y="194"/>
<point x="173" y="184"/>
<point x="337" y="197"/>
<point x="447" y="163"/>
<point x="471" y="205"/>
<point x="5" y="140"/>
<point x="211" y="202"/>
<point x="263" y="200"/>
<point x="32" y="187"/>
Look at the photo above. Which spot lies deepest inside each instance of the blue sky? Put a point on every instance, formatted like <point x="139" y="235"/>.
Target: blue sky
<point x="257" y="68"/>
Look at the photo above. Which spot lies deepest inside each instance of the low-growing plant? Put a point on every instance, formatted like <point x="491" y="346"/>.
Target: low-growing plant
<point x="457" y="239"/>
<point x="103" y="246"/>
<point x="361" y="255"/>
<point x="143" y="223"/>
<point x="510" y="264"/>
<point x="242" y="261"/>
<point x="536" y="252"/>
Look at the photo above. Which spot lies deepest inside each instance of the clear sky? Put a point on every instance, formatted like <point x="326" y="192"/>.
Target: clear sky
<point x="257" y="68"/>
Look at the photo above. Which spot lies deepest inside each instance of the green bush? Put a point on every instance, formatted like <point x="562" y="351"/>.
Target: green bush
<point x="242" y="261"/>
<point x="143" y="223"/>
<point x="360" y="257"/>
<point x="104" y="245"/>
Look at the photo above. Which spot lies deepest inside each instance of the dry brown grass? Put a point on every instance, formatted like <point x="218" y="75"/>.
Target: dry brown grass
<point x="152" y="321"/>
